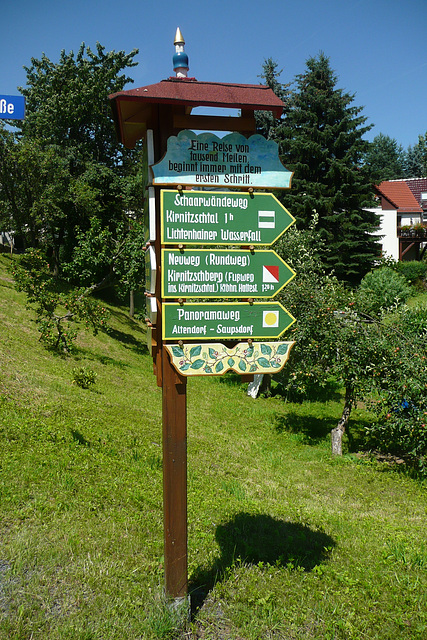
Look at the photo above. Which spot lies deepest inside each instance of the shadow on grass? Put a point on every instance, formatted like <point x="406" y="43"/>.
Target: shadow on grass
<point x="231" y="379"/>
<point x="127" y="339"/>
<point x="314" y="429"/>
<point x="79" y="438"/>
<point x="260" y="540"/>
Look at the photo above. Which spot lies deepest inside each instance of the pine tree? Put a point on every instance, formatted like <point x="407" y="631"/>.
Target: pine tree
<point x="422" y="147"/>
<point x="413" y="164"/>
<point x="322" y="142"/>
<point x="266" y="123"/>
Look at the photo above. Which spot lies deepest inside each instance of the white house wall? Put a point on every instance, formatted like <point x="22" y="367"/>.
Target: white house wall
<point x="388" y="229"/>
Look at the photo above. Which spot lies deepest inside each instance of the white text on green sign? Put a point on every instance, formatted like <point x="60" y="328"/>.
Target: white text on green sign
<point x="221" y="273"/>
<point x="233" y="161"/>
<point x="224" y="320"/>
<point x="222" y="218"/>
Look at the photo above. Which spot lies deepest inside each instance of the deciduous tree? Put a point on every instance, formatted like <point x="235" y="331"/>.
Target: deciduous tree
<point x="65" y="166"/>
<point x="384" y="159"/>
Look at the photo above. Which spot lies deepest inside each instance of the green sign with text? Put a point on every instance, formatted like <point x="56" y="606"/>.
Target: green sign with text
<point x="224" y="320"/>
<point x="222" y="218"/>
<point x="222" y="273"/>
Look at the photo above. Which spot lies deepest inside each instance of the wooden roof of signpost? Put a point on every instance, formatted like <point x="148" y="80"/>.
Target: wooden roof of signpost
<point x="139" y="109"/>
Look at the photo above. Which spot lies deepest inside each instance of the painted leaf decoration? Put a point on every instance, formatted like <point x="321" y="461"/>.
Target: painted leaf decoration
<point x="219" y="367"/>
<point x="207" y="370"/>
<point x="265" y="349"/>
<point x="275" y="364"/>
<point x="253" y="367"/>
<point x="230" y="362"/>
<point x="263" y="362"/>
<point x="178" y="352"/>
<point x="185" y="367"/>
<point x="212" y="353"/>
<point x="250" y="352"/>
<point x="197" y="364"/>
<point x="242" y="365"/>
<point x="283" y="348"/>
<point x="195" y="351"/>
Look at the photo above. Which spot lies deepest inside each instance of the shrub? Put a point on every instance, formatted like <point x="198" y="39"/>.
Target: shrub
<point x="57" y="307"/>
<point x="84" y="377"/>
<point x="382" y="289"/>
<point x="414" y="271"/>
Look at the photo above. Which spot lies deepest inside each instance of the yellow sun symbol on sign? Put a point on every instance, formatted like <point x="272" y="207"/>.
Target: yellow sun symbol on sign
<point x="270" y="319"/>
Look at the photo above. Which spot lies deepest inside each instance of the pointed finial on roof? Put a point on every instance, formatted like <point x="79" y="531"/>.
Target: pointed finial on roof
<point x="180" y="58"/>
<point x="178" y="37"/>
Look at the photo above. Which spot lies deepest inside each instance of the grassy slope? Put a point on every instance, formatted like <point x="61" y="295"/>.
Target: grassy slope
<point x="284" y="541"/>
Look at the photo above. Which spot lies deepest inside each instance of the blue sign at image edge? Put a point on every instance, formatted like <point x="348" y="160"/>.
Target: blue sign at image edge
<point x="12" y="107"/>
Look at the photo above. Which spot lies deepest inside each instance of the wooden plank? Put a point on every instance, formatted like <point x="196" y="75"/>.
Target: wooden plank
<point x="174" y="480"/>
<point x="214" y="123"/>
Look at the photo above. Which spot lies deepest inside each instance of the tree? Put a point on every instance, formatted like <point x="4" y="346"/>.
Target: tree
<point x="321" y="140"/>
<point x="65" y="166"/>
<point x="57" y="308"/>
<point x="400" y="404"/>
<point x="41" y="199"/>
<point x="413" y="162"/>
<point x="266" y="123"/>
<point x="384" y="159"/>
<point x="67" y="102"/>
<point x="106" y="258"/>
<point x="422" y="147"/>
<point x="351" y="337"/>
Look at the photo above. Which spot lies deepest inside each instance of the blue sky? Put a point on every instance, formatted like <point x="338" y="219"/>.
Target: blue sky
<point x="376" y="47"/>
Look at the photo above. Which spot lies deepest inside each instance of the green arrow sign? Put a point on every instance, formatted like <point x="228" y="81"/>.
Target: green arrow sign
<point x="223" y="273"/>
<point x="222" y="218"/>
<point x="226" y="320"/>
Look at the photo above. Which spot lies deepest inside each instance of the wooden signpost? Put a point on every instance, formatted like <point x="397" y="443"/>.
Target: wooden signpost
<point x="187" y="338"/>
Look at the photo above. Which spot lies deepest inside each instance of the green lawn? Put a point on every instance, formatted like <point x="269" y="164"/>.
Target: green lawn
<point x="285" y="541"/>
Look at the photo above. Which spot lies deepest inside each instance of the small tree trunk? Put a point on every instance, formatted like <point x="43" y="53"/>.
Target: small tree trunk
<point x="266" y="385"/>
<point x="338" y="432"/>
<point x="131" y="303"/>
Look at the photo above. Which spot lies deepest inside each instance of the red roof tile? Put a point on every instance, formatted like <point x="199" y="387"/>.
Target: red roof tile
<point x="417" y="186"/>
<point x="399" y="195"/>
<point x="215" y="94"/>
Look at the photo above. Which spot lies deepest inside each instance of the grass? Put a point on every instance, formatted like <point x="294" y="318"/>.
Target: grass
<point x="285" y="541"/>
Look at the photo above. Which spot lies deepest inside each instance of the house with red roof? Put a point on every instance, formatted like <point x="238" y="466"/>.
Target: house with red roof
<point x="403" y="216"/>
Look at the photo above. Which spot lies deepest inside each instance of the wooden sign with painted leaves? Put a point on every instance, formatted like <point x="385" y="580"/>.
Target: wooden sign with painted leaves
<point x="215" y="359"/>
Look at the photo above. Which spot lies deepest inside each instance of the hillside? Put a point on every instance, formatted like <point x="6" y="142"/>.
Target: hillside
<point x="284" y="540"/>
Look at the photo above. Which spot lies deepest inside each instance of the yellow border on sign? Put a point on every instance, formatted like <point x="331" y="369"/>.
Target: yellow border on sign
<point x="220" y="295"/>
<point x="222" y="336"/>
<point x="219" y="193"/>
